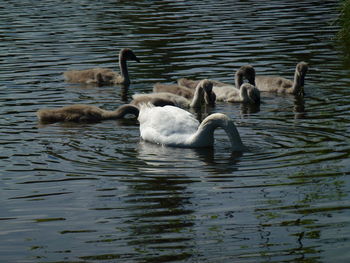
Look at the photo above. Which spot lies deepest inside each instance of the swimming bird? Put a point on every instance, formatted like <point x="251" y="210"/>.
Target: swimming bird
<point x="176" y="127"/>
<point x="232" y="93"/>
<point x="175" y="89"/>
<point x="104" y="76"/>
<point x="284" y="86"/>
<point x="84" y="113"/>
<point x="246" y="71"/>
<point x="202" y="95"/>
<point x="247" y="93"/>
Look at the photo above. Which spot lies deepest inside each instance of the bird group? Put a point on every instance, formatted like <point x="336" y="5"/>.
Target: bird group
<point x="162" y="114"/>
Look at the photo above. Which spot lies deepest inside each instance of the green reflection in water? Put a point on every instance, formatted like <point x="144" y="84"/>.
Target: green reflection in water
<point x="343" y="35"/>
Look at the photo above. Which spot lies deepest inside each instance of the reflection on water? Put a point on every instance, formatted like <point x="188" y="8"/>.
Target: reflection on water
<point x="97" y="193"/>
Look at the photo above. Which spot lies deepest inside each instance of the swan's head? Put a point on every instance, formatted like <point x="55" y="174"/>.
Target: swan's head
<point x="128" y="54"/>
<point x="254" y="94"/>
<point x="206" y="85"/>
<point x="249" y="73"/>
<point x="250" y="93"/>
<point x="210" y="98"/>
<point x="246" y="71"/>
<point x="209" y="95"/>
<point x="302" y="68"/>
<point x="300" y="71"/>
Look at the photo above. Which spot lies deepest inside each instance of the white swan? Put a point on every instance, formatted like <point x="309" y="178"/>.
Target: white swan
<point x="202" y="95"/>
<point x="232" y="93"/>
<point x="103" y="76"/>
<point x="176" y="127"/>
<point x="281" y="85"/>
<point x="84" y="113"/>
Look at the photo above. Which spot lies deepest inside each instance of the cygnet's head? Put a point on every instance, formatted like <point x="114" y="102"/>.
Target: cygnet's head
<point x="209" y="95"/>
<point x="128" y="54"/>
<point x="254" y="94"/>
<point x="206" y="84"/>
<point x="251" y="92"/>
<point x="302" y="68"/>
<point x="249" y="73"/>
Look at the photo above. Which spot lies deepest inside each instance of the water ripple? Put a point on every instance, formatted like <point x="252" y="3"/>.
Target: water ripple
<point x="96" y="192"/>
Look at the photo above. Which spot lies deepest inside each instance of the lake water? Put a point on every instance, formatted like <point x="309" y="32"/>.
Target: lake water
<point x="97" y="193"/>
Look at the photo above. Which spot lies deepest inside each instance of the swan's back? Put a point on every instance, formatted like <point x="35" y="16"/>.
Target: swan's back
<point x="224" y="93"/>
<point x="192" y="84"/>
<point x="282" y="85"/>
<point x="175" y="89"/>
<point x="165" y="97"/>
<point x="188" y="83"/>
<point x="166" y="125"/>
<point x="103" y="76"/>
<point x="273" y="83"/>
<point x="74" y="113"/>
<point x="91" y="76"/>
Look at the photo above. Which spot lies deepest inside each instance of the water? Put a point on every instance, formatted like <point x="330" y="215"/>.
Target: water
<point x="97" y="193"/>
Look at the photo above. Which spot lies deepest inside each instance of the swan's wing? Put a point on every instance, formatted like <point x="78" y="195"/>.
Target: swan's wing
<point x="272" y="83"/>
<point x="175" y="89"/>
<point x="89" y="76"/>
<point x="226" y="93"/>
<point x="220" y="84"/>
<point x="188" y="83"/>
<point x="166" y="125"/>
<point x="192" y="84"/>
<point x="166" y="97"/>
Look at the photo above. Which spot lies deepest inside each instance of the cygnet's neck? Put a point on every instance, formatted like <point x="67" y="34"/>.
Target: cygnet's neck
<point x="198" y="97"/>
<point x="238" y="79"/>
<point x="121" y="112"/>
<point x="298" y="82"/>
<point x="123" y="69"/>
<point x="244" y="93"/>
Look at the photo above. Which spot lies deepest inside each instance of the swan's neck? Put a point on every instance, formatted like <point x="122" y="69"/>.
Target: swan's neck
<point x="198" y="97"/>
<point x="121" y="112"/>
<point x="244" y="94"/>
<point x="205" y="133"/>
<point x="123" y="69"/>
<point x="238" y="79"/>
<point x="298" y="83"/>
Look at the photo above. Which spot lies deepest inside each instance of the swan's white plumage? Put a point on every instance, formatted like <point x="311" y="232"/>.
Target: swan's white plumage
<point x="173" y="126"/>
<point x="154" y="125"/>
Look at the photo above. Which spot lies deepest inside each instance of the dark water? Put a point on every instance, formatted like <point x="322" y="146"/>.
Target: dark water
<point x="97" y="193"/>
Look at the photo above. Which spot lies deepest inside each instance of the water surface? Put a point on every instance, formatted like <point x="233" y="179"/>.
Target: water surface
<point x="97" y="193"/>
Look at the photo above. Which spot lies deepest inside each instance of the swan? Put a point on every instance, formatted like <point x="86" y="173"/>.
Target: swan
<point x="175" y="89"/>
<point x="282" y="85"/>
<point x="104" y="76"/>
<point x="84" y="113"/>
<point x="202" y="95"/>
<point x="246" y="71"/>
<point x="172" y="126"/>
<point x="232" y="93"/>
<point x="247" y="93"/>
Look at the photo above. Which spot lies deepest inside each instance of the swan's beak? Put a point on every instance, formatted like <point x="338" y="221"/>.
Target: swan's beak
<point x="137" y="59"/>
